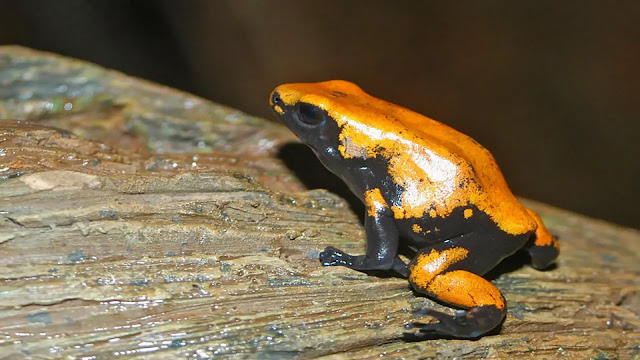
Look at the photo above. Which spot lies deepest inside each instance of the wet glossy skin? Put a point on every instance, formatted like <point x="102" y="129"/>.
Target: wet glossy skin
<point x="424" y="185"/>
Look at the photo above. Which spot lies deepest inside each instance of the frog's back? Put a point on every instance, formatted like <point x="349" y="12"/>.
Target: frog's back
<point x="439" y="168"/>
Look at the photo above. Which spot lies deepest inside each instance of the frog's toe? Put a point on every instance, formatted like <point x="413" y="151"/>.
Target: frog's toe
<point x="446" y="325"/>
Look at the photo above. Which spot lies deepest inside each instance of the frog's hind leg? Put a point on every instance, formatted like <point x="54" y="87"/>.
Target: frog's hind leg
<point x="544" y="249"/>
<point x="449" y="272"/>
<point x="485" y="304"/>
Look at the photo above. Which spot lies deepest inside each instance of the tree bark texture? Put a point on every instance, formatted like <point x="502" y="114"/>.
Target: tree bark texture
<point x="137" y="220"/>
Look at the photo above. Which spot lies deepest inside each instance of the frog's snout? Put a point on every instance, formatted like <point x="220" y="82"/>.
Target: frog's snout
<point x="275" y="98"/>
<point x="276" y="103"/>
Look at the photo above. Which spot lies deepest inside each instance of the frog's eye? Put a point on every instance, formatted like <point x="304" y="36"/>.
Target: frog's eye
<point x="310" y="114"/>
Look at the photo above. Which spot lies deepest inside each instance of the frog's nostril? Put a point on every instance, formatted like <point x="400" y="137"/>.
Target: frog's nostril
<point x="276" y="99"/>
<point x="277" y="105"/>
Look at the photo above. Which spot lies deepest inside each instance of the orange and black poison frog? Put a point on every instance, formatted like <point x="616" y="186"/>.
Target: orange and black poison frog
<point x="425" y="184"/>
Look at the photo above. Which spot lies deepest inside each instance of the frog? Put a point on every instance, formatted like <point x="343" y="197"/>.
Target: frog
<point x="425" y="187"/>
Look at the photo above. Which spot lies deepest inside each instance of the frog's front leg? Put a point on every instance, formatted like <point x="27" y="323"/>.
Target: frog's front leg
<point x="382" y="241"/>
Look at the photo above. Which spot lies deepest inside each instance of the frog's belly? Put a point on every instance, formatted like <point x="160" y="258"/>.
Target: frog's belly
<point x="427" y="231"/>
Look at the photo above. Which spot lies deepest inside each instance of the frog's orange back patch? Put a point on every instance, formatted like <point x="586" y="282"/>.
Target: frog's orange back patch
<point x="439" y="168"/>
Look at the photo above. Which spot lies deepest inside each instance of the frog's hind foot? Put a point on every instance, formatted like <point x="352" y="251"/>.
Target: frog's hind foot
<point x="465" y="324"/>
<point x="544" y="248"/>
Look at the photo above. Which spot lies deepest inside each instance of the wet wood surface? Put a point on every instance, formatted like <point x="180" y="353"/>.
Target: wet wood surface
<point x="140" y="221"/>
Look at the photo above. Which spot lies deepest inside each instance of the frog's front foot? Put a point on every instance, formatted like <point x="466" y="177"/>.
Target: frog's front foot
<point x="332" y="256"/>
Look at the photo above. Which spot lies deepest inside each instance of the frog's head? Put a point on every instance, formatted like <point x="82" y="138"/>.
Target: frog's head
<point x="309" y="110"/>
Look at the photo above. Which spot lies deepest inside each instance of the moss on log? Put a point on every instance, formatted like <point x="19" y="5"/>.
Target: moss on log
<point x="140" y="220"/>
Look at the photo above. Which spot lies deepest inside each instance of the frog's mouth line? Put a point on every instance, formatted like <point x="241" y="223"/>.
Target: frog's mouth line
<point x="283" y="116"/>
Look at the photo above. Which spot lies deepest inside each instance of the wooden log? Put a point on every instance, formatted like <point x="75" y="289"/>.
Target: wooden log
<point x="139" y="220"/>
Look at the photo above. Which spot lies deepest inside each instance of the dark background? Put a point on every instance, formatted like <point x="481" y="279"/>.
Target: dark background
<point x="550" y="87"/>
